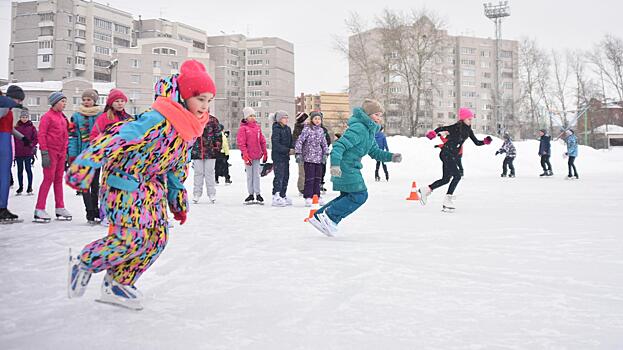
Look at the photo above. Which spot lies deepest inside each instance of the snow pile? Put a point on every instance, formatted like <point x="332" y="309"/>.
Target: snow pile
<point x="525" y="263"/>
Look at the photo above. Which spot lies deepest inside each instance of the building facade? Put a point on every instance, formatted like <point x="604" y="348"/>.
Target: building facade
<point x="462" y="75"/>
<point x="52" y="40"/>
<point x="333" y="105"/>
<point x="255" y="72"/>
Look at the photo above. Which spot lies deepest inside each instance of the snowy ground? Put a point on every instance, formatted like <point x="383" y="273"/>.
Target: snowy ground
<point x="525" y="263"/>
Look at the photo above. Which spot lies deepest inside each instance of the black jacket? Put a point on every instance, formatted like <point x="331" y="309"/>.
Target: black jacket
<point x="545" y="147"/>
<point x="458" y="133"/>
<point x="299" y="124"/>
<point x="281" y="141"/>
<point x="209" y="144"/>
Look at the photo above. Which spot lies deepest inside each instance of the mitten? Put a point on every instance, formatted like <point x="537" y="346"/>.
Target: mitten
<point x="487" y="140"/>
<point x="299" y="158"/>
<point x="431" y="134"/>
<point x="265" y="158"/>
<point x="336" y="171"/>
<point x="396" y="158"/>
<point x="45" y="159"/>
<point x="26" y="141"/>
<point x="180" y="216"/>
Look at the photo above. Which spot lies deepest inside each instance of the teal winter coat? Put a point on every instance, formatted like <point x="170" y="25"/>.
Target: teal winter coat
<point x="357" y="141"/>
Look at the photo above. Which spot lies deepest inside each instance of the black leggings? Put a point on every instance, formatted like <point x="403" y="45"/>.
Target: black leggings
<point x="451" y="172"/>
<point x="545" y="164"/>
<point x="571" y="164"/>
<point x="378" y="165"/>
<point x="508" y="164"/>
<point x="91" y="197"/>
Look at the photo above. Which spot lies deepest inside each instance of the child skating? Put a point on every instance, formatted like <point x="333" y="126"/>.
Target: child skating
<point x="252" y="146"/>
<point x="381" y="141"/>
<point x="311" y="150"/>
<point x="203" y="154"/>
<point x="509" y="149"/>
<point x="82" y="123"/>
<point x="457" y="134"/>
<point x="356" y="142"/>
<point x="545" y="151"/>
<point x="25" y="151"/>
<point x="572" y="153"/>
<point x="281" y="141"/>
<point x="144" y="165"/>
<point x="53" y="139"/>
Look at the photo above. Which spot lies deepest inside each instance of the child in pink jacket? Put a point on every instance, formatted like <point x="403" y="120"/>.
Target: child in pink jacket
<point x="53" y="141"/>
<point x="252" y="146"/>
<point x="114" y="112"/>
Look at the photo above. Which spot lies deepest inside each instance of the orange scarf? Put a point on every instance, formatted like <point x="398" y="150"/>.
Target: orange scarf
<point x="185" y="123"/>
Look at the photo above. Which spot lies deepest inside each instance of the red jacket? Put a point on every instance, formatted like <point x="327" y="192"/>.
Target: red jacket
<point x="251" y="141"/>
<point x="102" y="122"/>
<point x="444" y="140"/>
<point x="6" y="122"/>
<point x="53" y="132"/>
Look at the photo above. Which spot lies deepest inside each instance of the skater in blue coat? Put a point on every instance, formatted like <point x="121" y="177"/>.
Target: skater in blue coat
<point x="358" y="140"/>
<point x="381" y="141"/>
<point x="572" y="153"/>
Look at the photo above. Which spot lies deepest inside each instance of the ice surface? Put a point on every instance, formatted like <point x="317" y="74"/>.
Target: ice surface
<point x="525" y="263"/>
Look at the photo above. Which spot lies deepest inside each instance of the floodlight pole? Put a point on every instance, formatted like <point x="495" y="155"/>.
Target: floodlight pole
<point x="496" y="13"/>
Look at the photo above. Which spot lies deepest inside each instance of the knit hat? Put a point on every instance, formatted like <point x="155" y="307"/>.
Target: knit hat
<point x="92" y="94"/>
<point x="372" y="107"/>
<point x="316" y="114"/>
<point x="55" y="98"/>
<point x="465" y="113"/>
<point x="543" y="131"/>
<point x="15" y="92"/>
<point x="114" y="95"/>
<point x="24" y="112"/>
<point x="280" y="115"/>
<point x="247" y="112"/>
<point x="194" y="80"/>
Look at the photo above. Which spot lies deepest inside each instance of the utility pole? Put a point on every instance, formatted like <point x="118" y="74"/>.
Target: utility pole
<point x="496" y="13"/>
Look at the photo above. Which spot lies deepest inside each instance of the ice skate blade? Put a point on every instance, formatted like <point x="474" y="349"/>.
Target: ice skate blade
<point x="9" y="222"/>
<point x="135" y="307"/>
<point x="41" y="221"/>
<point x="61" y="218"/>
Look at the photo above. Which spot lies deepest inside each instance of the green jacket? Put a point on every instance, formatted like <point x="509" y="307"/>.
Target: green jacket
<point x="357" y="141"/>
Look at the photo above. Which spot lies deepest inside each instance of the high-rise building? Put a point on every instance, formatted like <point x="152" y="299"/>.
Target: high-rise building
<point x="52" y="40"/>
<point x="333" y="105"/>
<point x="463" y="75"/>
<point x="255" y="72"/>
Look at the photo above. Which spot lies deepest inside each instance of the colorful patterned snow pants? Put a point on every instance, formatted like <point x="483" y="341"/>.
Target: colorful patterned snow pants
<point x="126" y="252"/>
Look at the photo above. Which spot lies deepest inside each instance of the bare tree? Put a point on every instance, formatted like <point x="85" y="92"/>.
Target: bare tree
<point x="412" y="41"/>
<point x="560" y="89"/>
<point x="607" y="58"/>
<point x="585" y="87"/>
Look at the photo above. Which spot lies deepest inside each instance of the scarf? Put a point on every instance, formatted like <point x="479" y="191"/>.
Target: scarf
<point x="89" y="111"/>
<point x="185" y="123"/>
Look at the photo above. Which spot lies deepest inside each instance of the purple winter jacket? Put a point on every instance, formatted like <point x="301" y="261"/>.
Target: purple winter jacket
<point x="312" y="144"/>
<point x="30" y="132"/>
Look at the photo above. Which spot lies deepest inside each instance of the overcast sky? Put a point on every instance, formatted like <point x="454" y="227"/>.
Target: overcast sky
<point x="312" y="25"/>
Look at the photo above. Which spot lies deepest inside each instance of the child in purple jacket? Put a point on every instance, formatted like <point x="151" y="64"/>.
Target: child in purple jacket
<point x="25" y="151"/>
<point x="311" y="148"/>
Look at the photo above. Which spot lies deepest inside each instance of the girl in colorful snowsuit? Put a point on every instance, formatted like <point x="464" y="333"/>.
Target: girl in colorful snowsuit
<point x="204" y="154"/>
<point x="81" y="125"/>
<point x="25" y="151"/>
<point x="572" y="153"/>
<point x="144" y="164"/>
<point x="252" y="145"/>
<point x="457" y="134"/>
<point x="356" y="142"/>
<point x="511" y="153"/>
<point x="311" y="150"/>
<point x="53" y="140"/>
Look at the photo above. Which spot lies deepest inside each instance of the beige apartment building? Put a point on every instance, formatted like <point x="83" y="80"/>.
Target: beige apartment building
<point x="464" y="76"/>
<point x="333" y="105"/>
<point x="255" y="72"/>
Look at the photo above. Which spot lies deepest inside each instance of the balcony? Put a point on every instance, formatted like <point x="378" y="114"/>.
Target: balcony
<point x="81" y="54"/>
<point x="81" y="26"/>
<point x="46" y="23"/>
<point x="47" y="51"/>
<point x="80" y="40"/>
<point x="80" y="66"/>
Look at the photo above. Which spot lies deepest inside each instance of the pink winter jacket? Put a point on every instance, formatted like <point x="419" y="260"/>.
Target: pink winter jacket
<point x="102" y="122"/>
<point x="53" y="132"/>
<point x="251" y="141"/>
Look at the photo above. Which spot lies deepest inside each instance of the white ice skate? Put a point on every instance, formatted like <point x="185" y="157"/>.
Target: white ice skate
<point x="77" y="277"/>
<point x="212" y="199"/>
<point x="424" y="193"/>
<point x="115" y="293"/>
<point x="308" y="202"/>
<point x="278" y="201"/>
<point x="448" y="204"/>
<point x="41" y="216"/>
<point x="63" y="214"/>
<point x="321" y="201"/>
<point x="195" y="200"/>
<point x="322" y="223"/>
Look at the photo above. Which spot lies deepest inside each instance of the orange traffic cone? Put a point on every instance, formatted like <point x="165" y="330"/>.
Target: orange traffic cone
<point x="414" y="196"/>
<point x="314" y="209"/>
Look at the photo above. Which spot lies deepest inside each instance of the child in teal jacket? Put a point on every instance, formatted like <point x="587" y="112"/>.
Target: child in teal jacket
<point x="357" y="141"/>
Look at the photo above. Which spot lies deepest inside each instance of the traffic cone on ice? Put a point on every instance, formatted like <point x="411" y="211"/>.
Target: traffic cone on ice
<point x="314" y="208"/>
<point x="414" y="196"/>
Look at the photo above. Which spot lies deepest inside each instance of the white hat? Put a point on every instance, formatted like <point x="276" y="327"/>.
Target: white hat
<point x="247" y="112"/>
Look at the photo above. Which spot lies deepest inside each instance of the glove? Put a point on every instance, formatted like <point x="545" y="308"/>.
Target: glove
<point x="336" y="171"/>
<point x="431" y="134"/>
<point x="180" y="216"/>
<point x="265" y="158"/>
<point x="396" y="158"/>
<point x="324" y="159"/>
<point x="26" y="141"/>
<point x="246" y="159"/>
<point x="45" y="159"/>
<point x="299" y="158"/>
<point x="487" y="140"/>
<point x="498" y="152"/>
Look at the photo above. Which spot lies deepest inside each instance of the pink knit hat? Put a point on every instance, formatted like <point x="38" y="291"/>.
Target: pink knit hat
<point x="114" y="95"/>
<point x="465" y="113"/>
<point x="194" y="80"/>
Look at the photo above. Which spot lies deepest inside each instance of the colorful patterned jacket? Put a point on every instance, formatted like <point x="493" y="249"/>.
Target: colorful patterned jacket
<point x="209" y="144"/>
<point x="508" y="148"/>
<point x="80" y="127"/>
<point x="145" y="163"/>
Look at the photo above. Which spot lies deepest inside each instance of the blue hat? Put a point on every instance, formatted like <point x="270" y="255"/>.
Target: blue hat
<point x="55" y="98"/>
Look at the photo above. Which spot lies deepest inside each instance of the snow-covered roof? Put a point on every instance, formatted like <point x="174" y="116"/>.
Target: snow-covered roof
<point x="52" y="85"/>
<point x="609" y="129"/>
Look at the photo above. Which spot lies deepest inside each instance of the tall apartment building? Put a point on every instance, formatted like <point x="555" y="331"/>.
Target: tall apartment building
<point x="333" y="105"/>
<point x="255" y="72"/>
<point x="463" y="76"/>
<point x="52" y="40"/>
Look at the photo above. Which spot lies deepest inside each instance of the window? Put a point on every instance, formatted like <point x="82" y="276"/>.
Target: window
<point x="121" y="42"/>
<point x="255" y="104"/>
<point x="44" y="17"/>
<point x="255" y="62"/>
<point x="267" y="62"/>
<point x="48" y="44"/>
<point x="69" y="33"/>
<point x="255" y="93"/>
<point x="267" y="72"/>
<point x="34" y="101"/>
<point x="164" y="51"/>
<point x="122" y="29"/>
<point x="102" y="50"/>
<point x="174" y="65"/>
<point x="485" y="85"/>
<point x="469" y="83"/>
<point x="70" y="47"/>
<point x="254" y="83"/>
<point x="468" y="50"/>
<point x="135" y="79"/>
<point x="486" y="75"/>
<point x="80" y="33"/>
<point x="156" y="64"/>
<point x="485" y="53"/>
<point x="103" y="24"/>
<point x="135" y="63"/>
<point x="199" y="45"/>
<point x="81" y="19"/>
<point x="507" y="75"/>
<point x="101" y="101"/>
<point x="485" y="64"/>
<point x="76" y="100"/>
<point x="468" y="62"/>
<point x="469" y="73"/>
<point x="508" y="85"/>
<point x="46" y="31"/>
<point x="101" y="63"/>
<point x="506" y="54"/>
<point x="46" y="58"/>
<point x="256" y="52"/>
<point x="69" y="60"/>
<point x="266" y="93"/>
<point x="252" y="73"/>
<point x="99" y="76"/>
<point x="102" y="37"/>
<point x="469" y="94"/>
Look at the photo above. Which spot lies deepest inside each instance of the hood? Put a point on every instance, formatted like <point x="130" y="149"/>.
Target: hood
<point x="360" y="117"/>
<point x="27" y="123"/>
<point x="246" y="124"/>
